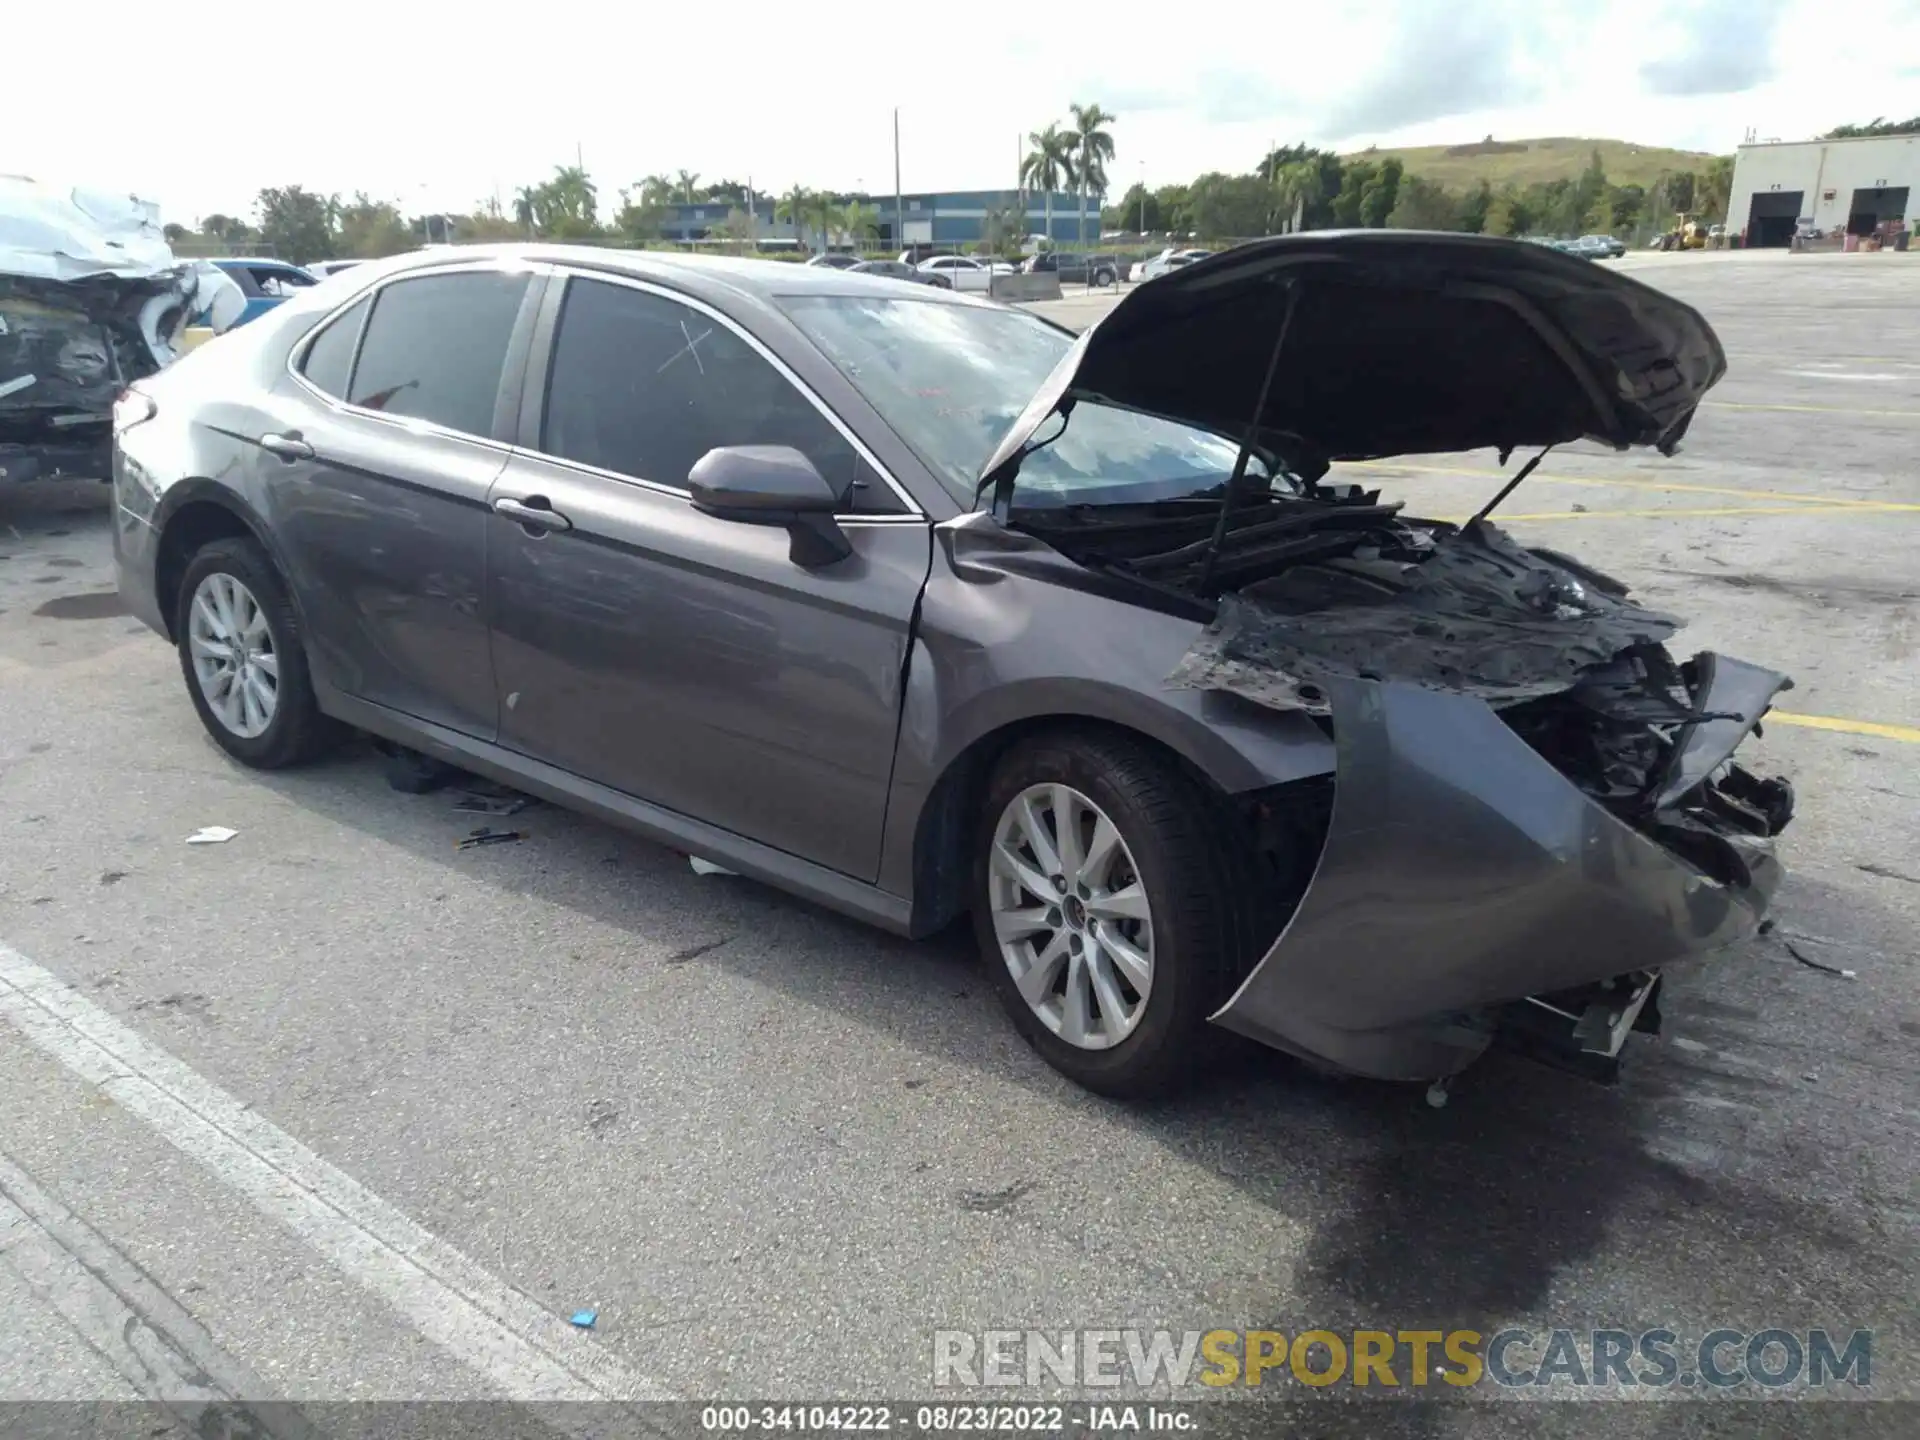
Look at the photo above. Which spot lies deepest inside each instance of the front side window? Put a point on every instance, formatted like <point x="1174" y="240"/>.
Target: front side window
<point x="952" y="379"/>
<point x="644" y="386"/>
<point x="436" y="346"/>
<point x="329" y="358"/>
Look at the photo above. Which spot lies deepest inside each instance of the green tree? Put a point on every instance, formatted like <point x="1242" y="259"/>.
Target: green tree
<point x="1381" y="192"/>
<point x="1507" y="214"/>
<point x="796" y="207"/>
<point x="1474" y="206"/>
<point x="298" y="223"/>
<point x="1714" y="189"/>
<point x="1046" y="166"/>
<point x="1421" y="204"/>
<point x="859" y="222"/>
<point x="686" y="180"/>
<point x="1310" y="181"/>
<point x="1231" y="207"/>
<point x="824" y="214"/>
<point x="1877" y="126"/>
<point x="737" y="232"/>
<point x="1092" y="149"/>
<point x="371" y="228"/>
<point x="173" y="234"/>
<point x="640" y="213"/>
<point x="572" y="204"/>
<point x="226" y="229"/>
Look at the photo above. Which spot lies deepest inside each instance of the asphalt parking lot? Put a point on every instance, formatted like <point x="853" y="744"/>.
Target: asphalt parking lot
<point x="339" y="1112"/>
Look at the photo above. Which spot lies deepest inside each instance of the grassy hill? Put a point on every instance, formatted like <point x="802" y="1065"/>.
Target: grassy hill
<point x="1527" y="162"/>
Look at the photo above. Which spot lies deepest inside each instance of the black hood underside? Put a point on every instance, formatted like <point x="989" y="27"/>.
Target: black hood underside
<point x="1399" y="343"/>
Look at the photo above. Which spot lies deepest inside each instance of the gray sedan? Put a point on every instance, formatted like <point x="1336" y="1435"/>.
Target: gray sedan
<point x="919" y="607"/>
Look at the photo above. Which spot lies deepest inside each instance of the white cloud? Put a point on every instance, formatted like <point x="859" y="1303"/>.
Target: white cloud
<point x="438" y="106"/>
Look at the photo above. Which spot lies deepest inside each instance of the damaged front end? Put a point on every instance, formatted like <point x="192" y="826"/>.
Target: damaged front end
<point x="1536" y="808"/>
<point x="91" y="300"/>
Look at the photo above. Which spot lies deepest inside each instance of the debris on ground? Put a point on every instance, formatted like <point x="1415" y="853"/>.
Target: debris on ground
<point x="706" y="867"/>
<point x="583" y="1319"/>
<point x="477" y="802"/>
<point x="1813" y="964"/>
<point x="985" y="1202"/>
<point x="487" y="835"/>
<point x="211" y="835"/>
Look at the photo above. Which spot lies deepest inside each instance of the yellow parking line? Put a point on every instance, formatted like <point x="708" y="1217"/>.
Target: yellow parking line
<point x="1629" y="483"/>
<point x="1812" y="409"/>
<point x="1906" y="733"/>
<point x="1685" y="512"/>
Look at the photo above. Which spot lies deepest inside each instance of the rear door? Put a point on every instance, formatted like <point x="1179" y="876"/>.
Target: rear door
<point x="376" y="462"/>
<point x="683" y="659"/>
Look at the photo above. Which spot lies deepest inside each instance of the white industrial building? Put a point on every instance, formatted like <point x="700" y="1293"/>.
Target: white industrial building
<point x="1837" y="186"/>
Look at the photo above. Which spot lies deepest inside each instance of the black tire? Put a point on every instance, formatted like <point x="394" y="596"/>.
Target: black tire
<point x="1185" y="857"/>
<point x="941" y="282"/>
<point x="298" y="731"/>
<point x="1102" y="279"/>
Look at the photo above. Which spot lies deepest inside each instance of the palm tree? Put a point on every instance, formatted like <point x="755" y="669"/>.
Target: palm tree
<point x="823" y="213"/>
<point x="1092" y="148"/>
<point x="1046" y="166"/>
<point x="796" y="208"/>
<point x="574" y="195"/>
<point x="658" y="190"/>
<point x="687" y="179"/>
<point x="527" y="204"/>
<point x="860" y="222"/>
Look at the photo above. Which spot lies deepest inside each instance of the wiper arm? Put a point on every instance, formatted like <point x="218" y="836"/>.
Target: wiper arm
<point x="1002" y="479"/>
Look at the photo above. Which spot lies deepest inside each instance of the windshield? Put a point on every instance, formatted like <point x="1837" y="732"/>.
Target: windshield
<point x="951" y="380"/>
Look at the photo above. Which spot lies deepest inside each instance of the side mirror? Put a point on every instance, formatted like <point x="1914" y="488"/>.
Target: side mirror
<point x="772" y="485"/>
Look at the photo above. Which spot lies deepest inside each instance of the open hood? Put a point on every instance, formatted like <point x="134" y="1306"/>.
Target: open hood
<point x="1400" y="343"/>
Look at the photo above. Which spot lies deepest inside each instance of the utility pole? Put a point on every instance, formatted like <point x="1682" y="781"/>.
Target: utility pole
<point x="899" y="216"/>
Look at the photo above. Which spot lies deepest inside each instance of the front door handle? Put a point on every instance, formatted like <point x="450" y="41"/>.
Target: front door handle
<point x="533" y="512"/>
<point x="287" y="447"/>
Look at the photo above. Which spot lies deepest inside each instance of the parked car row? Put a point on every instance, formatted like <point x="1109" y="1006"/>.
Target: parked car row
<point x="1591" y="247"/>
<point x="1166" y="261"/>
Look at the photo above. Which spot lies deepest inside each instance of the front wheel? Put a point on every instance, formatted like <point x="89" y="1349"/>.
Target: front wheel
<point x="941" y="282"/>
<point x="1103" y="910"/>
<point x="242" y="656"/>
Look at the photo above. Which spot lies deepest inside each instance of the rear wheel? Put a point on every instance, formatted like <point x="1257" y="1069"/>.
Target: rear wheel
<point x="941" y="282"/>
<point x="243" y="660"/>
<point x="1102" y="905"/>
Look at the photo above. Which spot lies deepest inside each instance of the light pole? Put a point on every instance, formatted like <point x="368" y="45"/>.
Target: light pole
<point x="1143" y="199"/>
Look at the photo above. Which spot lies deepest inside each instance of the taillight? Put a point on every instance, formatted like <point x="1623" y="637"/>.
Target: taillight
<point x="130" y="409"/>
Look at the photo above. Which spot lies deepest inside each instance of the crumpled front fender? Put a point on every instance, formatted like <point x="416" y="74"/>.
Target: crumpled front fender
<point x="1461" y="871"/>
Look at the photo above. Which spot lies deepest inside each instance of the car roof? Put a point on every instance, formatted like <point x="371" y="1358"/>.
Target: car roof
<point x="754" y="279"/>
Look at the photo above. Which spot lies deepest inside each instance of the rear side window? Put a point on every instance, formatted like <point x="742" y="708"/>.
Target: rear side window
<point x="436" y="346"/>
<point x="644" y="386"/>
<point x="330" y="357"/>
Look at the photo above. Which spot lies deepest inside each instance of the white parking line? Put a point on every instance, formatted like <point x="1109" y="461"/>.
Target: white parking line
<point x="523" y="1350"/>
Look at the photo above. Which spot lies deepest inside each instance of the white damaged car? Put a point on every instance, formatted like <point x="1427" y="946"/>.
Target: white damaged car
<point x="92" y="298"/>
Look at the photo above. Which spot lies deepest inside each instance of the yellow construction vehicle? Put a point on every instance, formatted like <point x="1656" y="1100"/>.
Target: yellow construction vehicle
<point x="1687" y="234"/>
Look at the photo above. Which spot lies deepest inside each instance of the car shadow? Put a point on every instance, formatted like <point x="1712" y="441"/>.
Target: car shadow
<point x="1711" y="1165"/>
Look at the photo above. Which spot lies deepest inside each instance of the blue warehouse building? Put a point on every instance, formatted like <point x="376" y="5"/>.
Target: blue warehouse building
<point x="938" y="217"/>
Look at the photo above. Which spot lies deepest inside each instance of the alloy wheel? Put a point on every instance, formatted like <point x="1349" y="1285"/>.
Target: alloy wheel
<point x="234" y="661"/>
<point x="1071" y="916"/>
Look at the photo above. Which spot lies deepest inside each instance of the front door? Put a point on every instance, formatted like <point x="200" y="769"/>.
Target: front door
<point x="375" y="469"/>
<point x="684" y="659"/>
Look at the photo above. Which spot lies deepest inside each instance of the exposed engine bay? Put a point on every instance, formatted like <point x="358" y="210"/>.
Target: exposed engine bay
<point x="1315" y="591"/>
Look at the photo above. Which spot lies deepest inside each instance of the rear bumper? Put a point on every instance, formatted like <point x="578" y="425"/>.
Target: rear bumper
<point x="1463" y="874"/>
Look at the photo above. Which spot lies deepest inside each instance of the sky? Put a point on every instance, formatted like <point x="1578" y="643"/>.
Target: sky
<point x="437" y="107"/>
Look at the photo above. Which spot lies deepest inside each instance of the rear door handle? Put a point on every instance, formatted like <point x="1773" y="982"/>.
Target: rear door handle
<point x="287" y="447"/>
<point x="533" y="512"/>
